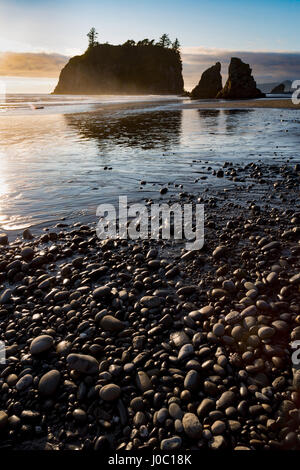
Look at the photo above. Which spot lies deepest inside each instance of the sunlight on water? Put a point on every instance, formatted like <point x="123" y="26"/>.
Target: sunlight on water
<point x="61" y="165"/>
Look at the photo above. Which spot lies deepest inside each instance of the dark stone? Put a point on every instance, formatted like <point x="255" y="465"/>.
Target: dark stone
<point x="83" y="363"/>
<point x="49" y="382"/>
<point x="110" y="392"/>
<point x="110" y="323"/>
<point x="41" y="344"/>
<point x="240" y="84"/>
<point x="210" y="83"/>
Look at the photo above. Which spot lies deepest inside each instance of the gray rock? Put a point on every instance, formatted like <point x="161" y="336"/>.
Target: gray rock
<point x="41" y="344"/>
<point x="110" y="392"/>
<point x="27" y="235"/>
<point x="49" y="382"/>
<point x="266" y="332"/>
<point x="63" y="347"/>
<point x="295" y="280"/>
<point x="83" y="363"/>
<point x="110" y="323"/>
<point x="234" y="426"/>
<point x="179" y="338"/>
<point x="196" y="315"/>
<point x="207" y="311"/>
<point x="3" y="239"/>
<point x="225" y="400"/>
<point x="151" y="301"/>
<point x="162" y="415"/>
<point x="79" y="415"/>
<point x="175" y="411"/>
<point x="242" y="448"/>
<point x="185" y="351"/>
<point x="186" y="290"/>
<point x="248" y="311"/>
<point x="5" y="296"/>
<point x="101" y="292"/>
<point x="271" y="246"/>
<point x="192" y="380"/>
<point x="191" y="426"/>
<point x="24" y="382"/>
<point x="220" y="251"/>
<point x="178" y="425"/>
<point x="217" y="443"/>
<point x="296" y="378"/>
<point x="172" y="443"/>
<point x="218" y="427"/>
<point x="259" y="379"/>
<point x="218" y="329"/>
<point x="279" y="382"/>
<point x="237" y="332"/>
<point x="3" y="419"/>
<point x="143" y="382"/>
<point x="205" y="407"/>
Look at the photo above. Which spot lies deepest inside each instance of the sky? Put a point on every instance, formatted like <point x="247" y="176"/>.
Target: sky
<point x="206" y="29"/>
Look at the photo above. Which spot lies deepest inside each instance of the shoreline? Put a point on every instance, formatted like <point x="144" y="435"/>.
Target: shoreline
<point x="177" y="350"/>
<point x="264" y="103"/>
<point x="164" y="105"/>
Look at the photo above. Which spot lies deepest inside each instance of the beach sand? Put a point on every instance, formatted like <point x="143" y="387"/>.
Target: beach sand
<point x="261" y="103"/>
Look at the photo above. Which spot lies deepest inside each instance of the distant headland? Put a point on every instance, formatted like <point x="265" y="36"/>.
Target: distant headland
<point x="145" y="67"/>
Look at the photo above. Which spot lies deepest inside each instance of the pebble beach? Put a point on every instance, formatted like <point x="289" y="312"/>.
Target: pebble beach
<point x="140" y="345"/>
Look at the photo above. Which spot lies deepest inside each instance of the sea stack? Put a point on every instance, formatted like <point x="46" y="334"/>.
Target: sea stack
<point x="279" y="89"/>
<point x="240" y="84"/>
<point x="210" y="83"/>
<point x="126" y="69"/>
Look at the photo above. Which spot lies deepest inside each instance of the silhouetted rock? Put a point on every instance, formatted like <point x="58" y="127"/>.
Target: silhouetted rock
<point x="126" y="69"/>
<point x="210" y="83"/>
<point x="278" y="89"/>
<point x="240" y="84"/>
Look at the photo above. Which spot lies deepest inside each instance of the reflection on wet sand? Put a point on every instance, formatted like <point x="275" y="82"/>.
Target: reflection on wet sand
<point x="140" y="130"/>
<point x="214" y="119"/>
<point x="236" y="117"/>
<point x="210" y="119"/>
<point x="56" y="166"/>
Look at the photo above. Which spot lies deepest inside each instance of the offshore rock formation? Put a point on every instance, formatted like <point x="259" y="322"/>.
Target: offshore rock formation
<point x="279" y="89"/>
<point x="210" y="83"/>
<point x="126" y="69"/>
<point x="240" y="84"/>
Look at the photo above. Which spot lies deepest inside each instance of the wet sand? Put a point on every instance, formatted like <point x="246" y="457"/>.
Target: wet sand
<point x="208" y="104"/>
<point x="262" y="103"/>
<point x="250" y="104"/>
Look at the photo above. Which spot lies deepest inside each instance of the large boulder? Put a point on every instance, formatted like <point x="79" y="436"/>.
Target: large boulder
<point x="210" y="83"/>
<point x="240" y="84"/>
<point x="278" y="90"/>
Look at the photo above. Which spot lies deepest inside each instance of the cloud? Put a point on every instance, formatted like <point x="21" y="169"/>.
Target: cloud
<point x="23" y="64"/>
<point x="266" y="66"/>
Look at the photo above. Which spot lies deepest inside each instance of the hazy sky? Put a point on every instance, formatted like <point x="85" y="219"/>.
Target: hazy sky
<point x="264" y="33"/>
<point x="61" y="25"/>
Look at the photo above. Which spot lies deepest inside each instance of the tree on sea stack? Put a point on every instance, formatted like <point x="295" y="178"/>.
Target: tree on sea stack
<point x="92" y="35"/>
<point x="129" y="43"/>
<point x="145" y="42"/>
<point x="164" y="41"/>
<point x="176" y="45"/>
